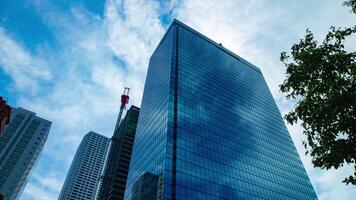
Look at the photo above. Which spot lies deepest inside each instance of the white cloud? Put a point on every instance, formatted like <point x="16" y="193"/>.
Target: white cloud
<point x="38" y="193"/>
<point x="51" y="181"/>
<point x="134" y="30"/>
<point x="239" y="26"/>
<point x="98" y="56"/>
<point x="46" y="186"/>
<point x="96" y="59"/>
<point x="24" y="68"/>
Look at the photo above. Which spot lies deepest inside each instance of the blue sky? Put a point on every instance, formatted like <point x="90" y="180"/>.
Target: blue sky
<point x="69" y="61"/>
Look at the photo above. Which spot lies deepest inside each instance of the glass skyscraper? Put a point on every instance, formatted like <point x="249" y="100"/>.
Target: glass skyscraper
<point x="82" y="181"/>
<point x="211" y="128"/>
<point x="145" y="188"/>
<point x="20" y="148"/>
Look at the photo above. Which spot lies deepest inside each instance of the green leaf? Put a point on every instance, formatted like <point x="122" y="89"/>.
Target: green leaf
<point x="322" y="77"/>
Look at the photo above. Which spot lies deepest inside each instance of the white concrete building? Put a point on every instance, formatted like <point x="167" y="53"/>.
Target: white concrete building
<point x="82" y="180"/>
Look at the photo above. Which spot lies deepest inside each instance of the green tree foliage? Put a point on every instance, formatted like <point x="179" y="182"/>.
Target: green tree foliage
<point x="352" y="4"/>
<point x="322" y="78"/>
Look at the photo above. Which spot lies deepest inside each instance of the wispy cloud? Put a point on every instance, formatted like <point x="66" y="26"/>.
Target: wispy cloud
<point x="97" y="55"/>
<point x="44" y="186"/>
<point x="134" y="30"/>
<point x="25" y="68"/>
<point x="39" y="193"/>
<point x="51" y="180"/>
<point x="96" y="58"/>
<point x="240" y="26"/>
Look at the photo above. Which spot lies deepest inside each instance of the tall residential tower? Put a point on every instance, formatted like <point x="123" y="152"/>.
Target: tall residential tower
<point x="82" y="180"/>
<point x="20" y="147"/>
<point x="210" y="127"/>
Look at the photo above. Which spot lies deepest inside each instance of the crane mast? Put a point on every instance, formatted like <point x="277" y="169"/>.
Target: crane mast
<point x="124" y="100"/>
<point x="107" y="173"/>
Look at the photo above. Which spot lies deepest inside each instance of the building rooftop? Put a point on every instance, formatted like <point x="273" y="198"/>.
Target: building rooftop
<point x="218" y="45"/>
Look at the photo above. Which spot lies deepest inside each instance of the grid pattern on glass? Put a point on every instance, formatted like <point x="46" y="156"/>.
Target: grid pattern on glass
<point x="225" y="138"/>
<point x="149" y="150"/>
<point x="231" y="140"/>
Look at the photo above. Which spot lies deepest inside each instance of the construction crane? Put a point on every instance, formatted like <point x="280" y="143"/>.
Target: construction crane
<point x="124" y="100"/>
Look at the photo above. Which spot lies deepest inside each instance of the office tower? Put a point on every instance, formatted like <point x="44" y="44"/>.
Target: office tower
<point x="145" y="188"/>
<point x="210" y="125"/>
<point x="83" y="176"/>
<point x="5" y="111"/>
<point x="20" y="147"/>
<point x="118" y="162"/>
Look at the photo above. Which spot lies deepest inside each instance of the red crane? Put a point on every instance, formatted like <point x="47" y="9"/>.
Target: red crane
<point x="5" y="112"/>
<point x="124" y="100"/>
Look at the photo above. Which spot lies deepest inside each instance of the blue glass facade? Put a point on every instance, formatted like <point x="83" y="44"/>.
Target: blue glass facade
<point x="210" y="127"/>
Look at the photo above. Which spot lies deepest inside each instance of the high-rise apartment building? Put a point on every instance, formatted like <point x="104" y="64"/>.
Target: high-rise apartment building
<point x="83" y="177"/>
<point x="118" y="162"/>
<point x="210" y="127"/>
<point x="20" y="147"/>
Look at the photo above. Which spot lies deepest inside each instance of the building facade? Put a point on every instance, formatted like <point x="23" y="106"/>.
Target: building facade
<point x="83" y="177"/>
<point x="145" y="188"/>
<point x="118" y="162"/>
<point x="20" y="147"/>
<point x="211" y="128"/>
